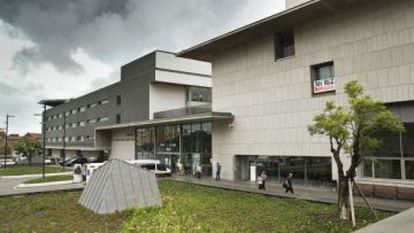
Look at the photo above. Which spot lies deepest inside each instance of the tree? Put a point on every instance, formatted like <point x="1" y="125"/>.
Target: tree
<point x="2" y="150"/>
<point x="351" y="130"/>
<point x="29" y="149"/>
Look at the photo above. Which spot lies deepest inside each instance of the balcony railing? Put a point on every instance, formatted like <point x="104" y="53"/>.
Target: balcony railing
<point x="323" y="85"/>
<point x="180" y="112"/>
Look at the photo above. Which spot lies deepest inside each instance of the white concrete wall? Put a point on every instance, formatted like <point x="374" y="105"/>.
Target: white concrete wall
<point x="123" y="144"/>
<point x="165" y="97"/>
<point x="293" y="3"/>
<point x="182" y="78"/>
<point x="272" y="101"/>
<point x="171" y="62"/>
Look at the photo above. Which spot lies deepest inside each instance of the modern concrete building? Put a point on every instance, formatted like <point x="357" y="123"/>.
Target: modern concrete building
<point x="148" y="87"/>
<point x="276" y="74"/>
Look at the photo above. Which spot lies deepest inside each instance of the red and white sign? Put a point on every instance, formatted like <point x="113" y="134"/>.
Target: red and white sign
<point x="324" y="85"/>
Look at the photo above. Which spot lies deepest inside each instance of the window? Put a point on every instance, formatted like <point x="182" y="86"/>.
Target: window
<point x="102" y="119"/>
<point x="198" y="94"/>
<point x="104" y="101"/>
<point x="60" y="115"/>
<point x="284" y="44"/>
<point x="118" y="100"/>
<point x="92" y="105"/>
<point x="82" y="124"/>
<point x="91" y="121"/>
<point x="323" y="78"/>
<point x="82" y="109"/>
<point x="67" y="113"/>
<point x="118" y="118"/>
<point x="394" y="159"/>
<point x="74" y="111"/>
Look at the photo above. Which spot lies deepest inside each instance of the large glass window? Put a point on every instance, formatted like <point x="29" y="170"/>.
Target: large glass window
<point x="145" y="143"/>
<point x="168" y="139"/>
<point x="388" y="169"/>
<point x="395" y="152"/>
<point x="198" y="94"/>
<point x="409" y="170"/>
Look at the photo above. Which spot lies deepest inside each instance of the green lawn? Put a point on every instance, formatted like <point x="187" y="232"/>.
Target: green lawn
<point x="187" y="208"/>
<point x="49" y="179"/>
<point x="15" y="170"/>
<point x="59" y="212"/>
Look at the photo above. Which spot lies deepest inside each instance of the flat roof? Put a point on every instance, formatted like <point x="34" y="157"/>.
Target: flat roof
<point x="53" y="102"/>
<point x="210" y="116"/>
<point x="276" y="23"/>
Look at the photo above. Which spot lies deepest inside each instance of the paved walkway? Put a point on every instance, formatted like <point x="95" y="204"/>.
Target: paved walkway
<point x="399" y="223"/>
<point x="311" y="194"/>
<point x="7" y="187"/>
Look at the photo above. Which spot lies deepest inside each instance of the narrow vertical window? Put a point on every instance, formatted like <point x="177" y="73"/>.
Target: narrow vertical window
<point x="284" y="44"/>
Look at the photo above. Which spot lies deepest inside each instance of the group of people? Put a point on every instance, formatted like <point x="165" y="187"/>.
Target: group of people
<point x="261" y="180"/>
<point x="287" y="184"/>
<point x="199" y="170"/>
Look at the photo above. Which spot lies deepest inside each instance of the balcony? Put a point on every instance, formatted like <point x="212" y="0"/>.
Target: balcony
<point x="180" y="112"/>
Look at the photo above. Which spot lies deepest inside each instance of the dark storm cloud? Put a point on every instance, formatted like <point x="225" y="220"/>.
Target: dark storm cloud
<point x="115" y="31"/>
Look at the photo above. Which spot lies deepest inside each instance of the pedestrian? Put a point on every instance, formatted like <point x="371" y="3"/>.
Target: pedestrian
<point x="288" y="185"/>
<point x="180" y="168"/>
<point x="199" y="171"/>
<point x="260" y="182"/>
<point x="218" y="171"/>
<point x="264" y="178"/>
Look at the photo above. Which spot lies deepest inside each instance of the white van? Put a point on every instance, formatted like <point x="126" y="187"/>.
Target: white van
<point x="152" y="165"/>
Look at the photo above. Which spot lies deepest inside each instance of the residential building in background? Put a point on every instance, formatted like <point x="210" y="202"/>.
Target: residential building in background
<point x="276" y="74"/>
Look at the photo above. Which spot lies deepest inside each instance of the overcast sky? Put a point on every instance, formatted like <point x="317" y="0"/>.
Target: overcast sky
<point x="65" y="48"/>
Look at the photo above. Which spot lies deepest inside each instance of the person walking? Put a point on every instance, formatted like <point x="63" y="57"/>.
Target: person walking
<point x="199" y="171"/>
<point x="218" y="171"/>
<point x="264" y="178"/>
<point x="260" y="182"/>
<point x="289" y="184"/>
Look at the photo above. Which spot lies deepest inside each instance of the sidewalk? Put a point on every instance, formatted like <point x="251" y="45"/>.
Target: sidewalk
<point x="311" y="194"/>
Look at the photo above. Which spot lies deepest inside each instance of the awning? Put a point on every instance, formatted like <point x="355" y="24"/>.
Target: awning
<point x="203" y="117"/>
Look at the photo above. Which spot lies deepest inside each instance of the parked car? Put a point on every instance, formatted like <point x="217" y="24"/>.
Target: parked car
<point x="73" y="160"/>
<point x="152" y="165"/>
<point x="9" y="162"/>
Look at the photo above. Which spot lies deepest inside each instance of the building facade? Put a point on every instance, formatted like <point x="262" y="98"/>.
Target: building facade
<point x="276" y="74"/>
<point x="149" y="85"/>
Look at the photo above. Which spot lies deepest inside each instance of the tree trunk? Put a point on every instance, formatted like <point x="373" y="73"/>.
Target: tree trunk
<point x="29" y="157"/>
<point x="343" y="191"/>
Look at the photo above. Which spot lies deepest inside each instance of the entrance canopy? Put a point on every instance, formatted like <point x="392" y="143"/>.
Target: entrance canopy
<point x="103" y="133"/>
<point x="210" y="116"/>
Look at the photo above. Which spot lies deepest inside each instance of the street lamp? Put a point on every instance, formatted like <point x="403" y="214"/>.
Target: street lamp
<point x="6" y="138"/>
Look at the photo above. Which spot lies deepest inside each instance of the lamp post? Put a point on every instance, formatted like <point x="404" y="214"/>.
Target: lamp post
<point x="64" y="139"/>
<point x="6" y="139"/>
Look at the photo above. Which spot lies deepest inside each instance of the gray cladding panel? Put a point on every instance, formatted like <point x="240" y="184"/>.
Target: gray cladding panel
<point x="118" y="185"/>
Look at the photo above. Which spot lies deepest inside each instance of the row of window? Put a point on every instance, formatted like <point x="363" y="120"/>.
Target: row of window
<point x="70" y="138"/>
<point x="322" y="75"/>
<point x="83" y="108"/>
<point x="77" y="124"/>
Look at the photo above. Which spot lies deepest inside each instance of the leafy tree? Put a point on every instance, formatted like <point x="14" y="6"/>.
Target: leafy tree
<point x="351" y="130"/>
<point x="2" y="150"/>
<point x="29" y="148"/>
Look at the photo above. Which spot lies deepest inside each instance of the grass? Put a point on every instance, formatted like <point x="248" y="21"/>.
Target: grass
<point x="58" y="212"/>
<point x="192" y="208"/>
<point x="49" y="179"/>
<point x="186" y="208"/>
<point x="15" y="170"/>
